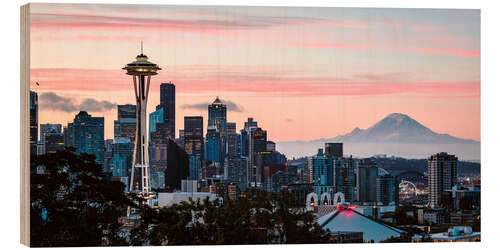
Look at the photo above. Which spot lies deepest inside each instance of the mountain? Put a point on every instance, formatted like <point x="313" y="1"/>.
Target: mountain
<point x="397" y="135"/>
<point x="398" y="128"/>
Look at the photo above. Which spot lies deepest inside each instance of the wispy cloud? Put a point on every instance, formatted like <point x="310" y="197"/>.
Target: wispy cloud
<point x="55" y="102"/>
<point x="231" y="106"/>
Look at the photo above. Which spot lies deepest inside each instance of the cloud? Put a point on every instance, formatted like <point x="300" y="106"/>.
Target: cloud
<point x="55" y="102"/>
<point x="231" y="106"/>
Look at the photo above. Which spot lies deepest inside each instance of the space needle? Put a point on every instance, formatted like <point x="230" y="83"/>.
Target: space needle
<point x="141" y="71"/>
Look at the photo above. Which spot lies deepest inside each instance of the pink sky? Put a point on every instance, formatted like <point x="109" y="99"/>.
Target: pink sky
<point x="302" y="73"/>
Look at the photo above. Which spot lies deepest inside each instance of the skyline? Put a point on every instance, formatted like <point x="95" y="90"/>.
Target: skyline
<point x="383" y="62"/>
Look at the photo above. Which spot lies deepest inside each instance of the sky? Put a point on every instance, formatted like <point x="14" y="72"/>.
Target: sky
<point x="301" y="73"/>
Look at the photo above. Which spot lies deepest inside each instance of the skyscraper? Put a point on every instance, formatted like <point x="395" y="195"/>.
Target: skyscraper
<point x="212" y="151"/>
<point x="155" y="118"/>
<point x="334" y="150"/>
<point x="387" y="189"/>
<point x="257" y="143"/>
<point x="125" y="125"/>
<point x="53" y="142"/>
<point x="442" y="176"/>
<point x="158" y="147"/>
<point x="33" y="122"/>
<point x="217" y="117"/>
<point x="366" y="181"/>
<point x="178" y="166"/>
<point x="86" y="135"/>
<point x="167" y="102"/>
<point x="193" y="135"/>
<point x="231" y="138"/>
<point x="320" y="172"/>
<point x="49" y="128"/>
<point x="343" y="177"/>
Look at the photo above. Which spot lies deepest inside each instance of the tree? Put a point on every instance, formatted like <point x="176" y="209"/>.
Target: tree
<point x="73" y="203"/>
<point x="263" y="218"/>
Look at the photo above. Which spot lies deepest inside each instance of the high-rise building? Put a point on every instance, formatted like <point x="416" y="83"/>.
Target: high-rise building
<point x="167" y="102"/>
<point x="387" y="189"/>
<point x="158" y="147"/>
<point x="249" y="124"/>
<point x="231" y="138"/>
<point x="33" y="122"/>
<point x="194" y="167"/>
<point x="193" y="135"/>
<point x="155" y="118"/>
<point x="217" y="117"/>
<point x="334" y="150"/>
<point x="53" y="142"/>
<point x="442" y="175"/>
<point x="177" y="166"/>
<point x="257" y="143"/>
<point x="49" y="128"/>
<point x="320" y="171"/>
<point x="125" y="125"/>
<point x="267" y="158"/>
<point x="343" y="177"/>
<point x="86" y="135"/>
<point x="366" y="181"/>
<point x="271" y="146"/>
<point x="212" y="151"/>
<point x="122" y="150"/>
<point x="236" y="171"/>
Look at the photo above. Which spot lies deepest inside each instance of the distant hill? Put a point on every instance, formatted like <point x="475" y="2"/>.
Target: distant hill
<point x="397" y="134"/>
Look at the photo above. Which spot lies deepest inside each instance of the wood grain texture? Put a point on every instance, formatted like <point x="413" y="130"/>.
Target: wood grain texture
<point x="24" y="98"/>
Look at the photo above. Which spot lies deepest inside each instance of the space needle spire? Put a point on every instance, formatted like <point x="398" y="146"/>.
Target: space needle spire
<point x="141" y="71"/>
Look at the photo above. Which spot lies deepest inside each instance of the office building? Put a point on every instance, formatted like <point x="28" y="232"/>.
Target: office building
<point x="213" y="143"/>
<point x="158" y="146"/>
<point x="194" y="167"/>
<point x="126" y="123"/>
<point x="49" y="128"/>
<point x="344" y="178"/>
<point x="53" y="142"/>
<point x="155" y="117"/>
<point x="442" y="176"/>
<point x="236" y="171"/>
<point x="122" y="150"/>
<point x="177" y="166"/>
<point x="387" y="190"/>
<point x="33" y="122"/>
<point x="320" y="173"/>
<point x="366" y="181"/>
<point x="217" y="118"/>
<point x="167" y="103"/>
<point x="86" y="135"/>
<point x="231" y="138"/>
<point x="334" y="150"/>
<point x="193" y="135"/>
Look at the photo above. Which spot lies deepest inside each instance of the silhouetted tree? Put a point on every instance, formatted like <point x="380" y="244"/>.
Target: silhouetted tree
<point x="73" y="203"/>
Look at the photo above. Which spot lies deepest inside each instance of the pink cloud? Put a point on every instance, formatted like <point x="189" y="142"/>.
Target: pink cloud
<point x="256" y="83"/>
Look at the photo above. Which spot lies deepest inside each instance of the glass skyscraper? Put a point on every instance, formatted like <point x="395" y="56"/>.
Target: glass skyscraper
<point x="86" y="135"/>
<point x="193" y="135"/>
<point x="167" y="102"/>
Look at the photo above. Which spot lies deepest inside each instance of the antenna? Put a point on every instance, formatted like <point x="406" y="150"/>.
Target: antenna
<point x="141" y="47"/>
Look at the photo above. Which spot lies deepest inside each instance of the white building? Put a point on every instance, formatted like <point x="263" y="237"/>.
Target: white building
<point x="454" y="234"/>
